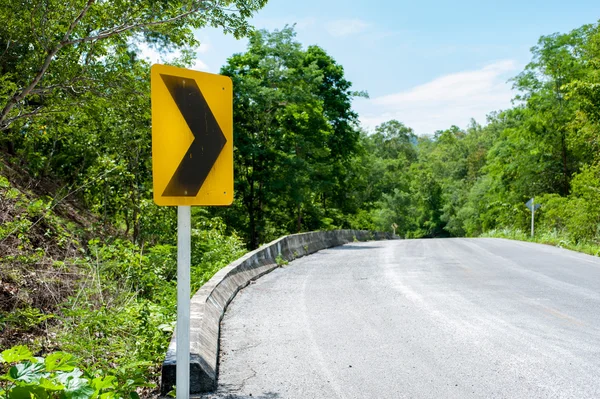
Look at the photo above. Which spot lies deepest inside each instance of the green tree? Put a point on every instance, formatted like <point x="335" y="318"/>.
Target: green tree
<point x="549" y="112"/>
<point x="52" y="51"/>
<point x="391" y="151"/>
<point x="293" y="128"/>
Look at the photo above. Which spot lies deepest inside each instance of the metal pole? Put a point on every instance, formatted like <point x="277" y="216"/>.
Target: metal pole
<point x="532" y="215"/>
<point x="184" y="232"/>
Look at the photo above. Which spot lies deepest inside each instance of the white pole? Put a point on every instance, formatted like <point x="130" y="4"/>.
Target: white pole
<point x="184" y="232"/>
<point x="532" y="213"/>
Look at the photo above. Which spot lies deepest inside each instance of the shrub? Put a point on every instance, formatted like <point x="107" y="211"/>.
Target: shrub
<point x="57" y="376"/>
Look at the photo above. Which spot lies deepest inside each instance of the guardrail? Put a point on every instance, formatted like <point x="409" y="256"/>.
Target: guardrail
<point x="208" y="305"/>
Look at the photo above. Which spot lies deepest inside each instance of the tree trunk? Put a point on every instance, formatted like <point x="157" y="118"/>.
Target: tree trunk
<point x="136" y="213"/>
<point x="566" y="188"/>
<point x="299" y="221"/>
<point x="136" y="199"/>
<point x="252" y="216"/>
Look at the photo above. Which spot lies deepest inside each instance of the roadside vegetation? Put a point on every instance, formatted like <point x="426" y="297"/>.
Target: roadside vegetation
<point x="553" y="237"/>
<point x="88" y="262"/>
<point x="467" y="182"/>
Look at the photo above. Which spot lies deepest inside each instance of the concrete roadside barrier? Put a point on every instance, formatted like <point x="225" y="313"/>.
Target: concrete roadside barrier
<point x="208" y="305"/>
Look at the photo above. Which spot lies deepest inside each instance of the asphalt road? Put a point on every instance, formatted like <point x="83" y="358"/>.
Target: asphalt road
<point x="443" y="318"/>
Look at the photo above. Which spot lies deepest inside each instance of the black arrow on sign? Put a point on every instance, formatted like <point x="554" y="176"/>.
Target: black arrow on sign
<point x="208" y="138"/>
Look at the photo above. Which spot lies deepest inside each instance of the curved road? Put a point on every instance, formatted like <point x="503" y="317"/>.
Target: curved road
<point x="442" y="318"/>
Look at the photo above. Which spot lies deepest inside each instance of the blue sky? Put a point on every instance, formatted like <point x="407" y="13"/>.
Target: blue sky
<point x="429" y="64"/>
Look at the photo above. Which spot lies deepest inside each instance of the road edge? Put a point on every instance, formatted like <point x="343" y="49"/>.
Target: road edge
<point x="210" y="302"/>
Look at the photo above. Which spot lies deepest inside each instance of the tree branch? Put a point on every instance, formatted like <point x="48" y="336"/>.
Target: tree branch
<point x="10" y="121"/>
<point x="15" y="99"/>
<point x="66" y="85"/>
<point x="76" y="21"/>
<point x="6" y="49"/>
<point x="18" y="97"/>
<point x="124" y="28"/>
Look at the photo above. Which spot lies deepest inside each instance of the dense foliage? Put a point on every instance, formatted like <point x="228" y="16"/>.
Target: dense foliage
<point x="60" y="54"/>
<point x="467" y="182"/>
<point x="295" y="134"/>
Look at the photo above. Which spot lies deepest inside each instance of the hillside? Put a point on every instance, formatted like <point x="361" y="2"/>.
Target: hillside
<point x="42" y="235"/>
<point x="71" y="282"/>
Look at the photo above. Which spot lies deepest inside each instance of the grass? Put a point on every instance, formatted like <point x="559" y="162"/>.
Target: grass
<point x="553" y="237"/>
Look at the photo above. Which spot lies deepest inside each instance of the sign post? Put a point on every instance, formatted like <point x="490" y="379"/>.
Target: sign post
<point x="192" y="164"/>
<point x="532" y="217"/>
<point x="184" y="233"/>
<point x="532" y="207"/>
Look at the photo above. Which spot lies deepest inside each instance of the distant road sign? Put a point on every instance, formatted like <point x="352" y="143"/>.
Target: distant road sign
<point x="530" y="203"/>
<point x="192" y="137"/>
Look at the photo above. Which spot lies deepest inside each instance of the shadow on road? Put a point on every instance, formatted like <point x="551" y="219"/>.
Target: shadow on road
<point x="225" y="395"/>
<point x="352" y="247"/>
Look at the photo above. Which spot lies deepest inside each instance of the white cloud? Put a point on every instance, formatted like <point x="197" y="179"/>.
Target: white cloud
<point x="346" y="27"/>
<point x="448" y="100"/>
<point x="204" y="40"/>
<point x="200" y="65"/>
<point x="204" y="48"/>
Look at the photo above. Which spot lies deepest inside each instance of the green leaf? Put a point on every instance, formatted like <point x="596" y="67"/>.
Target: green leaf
<point x="100" y="383"/>
<point x="50" y="385"/>
<point x="75" y="386"/>
<point x="65" y="377"/>
<point x="82" y="392"/>
<point x="16" y="354"/>
<point x="60" y="361"/>
<point x="28" y="392"/>
<point x="27" y="372"/>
